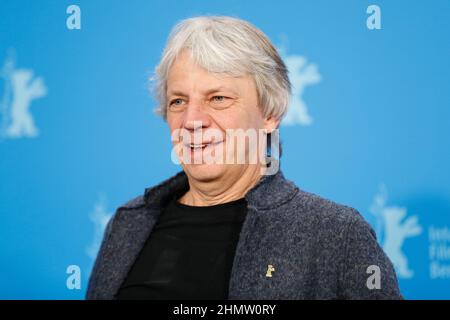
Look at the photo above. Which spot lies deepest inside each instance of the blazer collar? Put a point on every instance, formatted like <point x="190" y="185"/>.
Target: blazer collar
<point x="270" y="191"/>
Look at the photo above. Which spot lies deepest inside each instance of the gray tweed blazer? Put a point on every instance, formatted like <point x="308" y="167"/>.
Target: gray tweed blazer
<point x="316" y="248"/>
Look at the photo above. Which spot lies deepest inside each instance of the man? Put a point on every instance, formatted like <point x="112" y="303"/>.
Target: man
<point x="230" y="225"/>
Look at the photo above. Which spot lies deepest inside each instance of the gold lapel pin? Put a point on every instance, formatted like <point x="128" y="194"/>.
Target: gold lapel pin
<point x="270" y="269"/>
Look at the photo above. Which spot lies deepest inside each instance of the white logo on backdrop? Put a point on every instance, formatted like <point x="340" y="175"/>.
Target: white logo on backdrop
<point x="99" y="217"/>
<point x="393" y="227"/>
<point x="21" y="87"/>
<point x="301" y="75"/>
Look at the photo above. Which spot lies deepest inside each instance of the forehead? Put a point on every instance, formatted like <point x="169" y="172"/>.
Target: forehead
<point x="185" y="74"/>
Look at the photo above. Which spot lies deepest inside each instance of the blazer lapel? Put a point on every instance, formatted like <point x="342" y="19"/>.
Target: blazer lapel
<point x="249" y="267"/>
<point x="240" y="273"/>
<point x="131" y="226"/>
<point x="129" y="232"/>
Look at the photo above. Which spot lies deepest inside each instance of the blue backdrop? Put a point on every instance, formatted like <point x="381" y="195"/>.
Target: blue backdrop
<point x="369" y="125"/>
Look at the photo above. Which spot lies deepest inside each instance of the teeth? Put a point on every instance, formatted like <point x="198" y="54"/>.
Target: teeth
<point x="197" y="145"/>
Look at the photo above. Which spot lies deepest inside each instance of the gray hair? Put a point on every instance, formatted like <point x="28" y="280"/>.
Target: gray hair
<point x="231" y="46"/>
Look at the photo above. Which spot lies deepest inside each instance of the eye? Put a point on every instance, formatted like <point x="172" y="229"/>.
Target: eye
<point x="221" y="102"/>
<point x="176" y="104"/>
<point x="218" y="99"/>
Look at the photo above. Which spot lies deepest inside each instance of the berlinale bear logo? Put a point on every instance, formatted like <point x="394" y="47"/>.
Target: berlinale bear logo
<point x="20" y="88"/>
<point x="393" y="229"/>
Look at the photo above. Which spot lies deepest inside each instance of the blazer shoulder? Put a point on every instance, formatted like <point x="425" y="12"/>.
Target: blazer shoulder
<point x="134" y="203"/>
<point x="127" y="209"/>
<point x="318" y="209"/>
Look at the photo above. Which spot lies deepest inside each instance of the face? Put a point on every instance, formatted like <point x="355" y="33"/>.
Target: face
<point x="208" y="107"/>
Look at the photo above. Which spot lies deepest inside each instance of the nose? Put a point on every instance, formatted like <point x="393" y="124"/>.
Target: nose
<point x="195" y="117"/>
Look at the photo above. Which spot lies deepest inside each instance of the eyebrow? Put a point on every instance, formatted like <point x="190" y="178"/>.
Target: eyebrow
<point x="207" y="92"/>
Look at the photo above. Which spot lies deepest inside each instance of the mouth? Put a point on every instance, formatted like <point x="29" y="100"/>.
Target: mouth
<point x="201" y="146"/>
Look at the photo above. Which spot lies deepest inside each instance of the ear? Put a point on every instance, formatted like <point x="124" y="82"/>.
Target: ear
<point x="271" y="123"/>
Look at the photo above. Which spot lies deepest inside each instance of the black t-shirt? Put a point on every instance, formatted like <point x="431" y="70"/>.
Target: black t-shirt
<point x="189" y="253"/>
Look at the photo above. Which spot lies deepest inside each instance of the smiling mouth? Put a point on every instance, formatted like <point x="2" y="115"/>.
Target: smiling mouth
<point x="201" y="146"/>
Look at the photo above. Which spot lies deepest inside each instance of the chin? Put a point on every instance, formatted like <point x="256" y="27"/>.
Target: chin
<point x="205" y="172"/>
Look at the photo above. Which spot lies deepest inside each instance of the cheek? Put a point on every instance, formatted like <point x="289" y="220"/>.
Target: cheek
<point x="173" y="121"/>
<point x="250" y="115"/>
<point x="237" y="119"/>
<point x="247" y="121"/>
<point x="174" y="127"/>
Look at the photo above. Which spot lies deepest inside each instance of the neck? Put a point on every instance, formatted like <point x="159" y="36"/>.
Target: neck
<point x="225" y="189"/>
